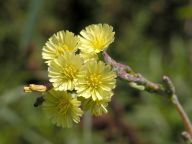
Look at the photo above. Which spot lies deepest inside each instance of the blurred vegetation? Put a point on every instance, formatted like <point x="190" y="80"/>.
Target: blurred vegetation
<point x="153" y="37"/>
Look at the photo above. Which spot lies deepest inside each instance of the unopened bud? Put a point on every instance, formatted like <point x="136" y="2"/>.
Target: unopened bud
<point x="136" y="86"/>
<point x="27" y="89"/>
<point x="34" y="88"/>
<point x="37" y="88"/>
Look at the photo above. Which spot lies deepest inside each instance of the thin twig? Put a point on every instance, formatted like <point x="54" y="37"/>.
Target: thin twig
<point x="170" y="90"/>
<point x="183" y="114"/>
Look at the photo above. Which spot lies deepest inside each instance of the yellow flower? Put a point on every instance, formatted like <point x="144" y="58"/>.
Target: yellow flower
<point x="58" y="43"/>
<point x="95" y="38"/>
<point x="64" y="70"/>
<point x="96" y="81"/>
<point x="88" y="56"/>
<point x="61" y="108"/>
<point x="98" y="107"/>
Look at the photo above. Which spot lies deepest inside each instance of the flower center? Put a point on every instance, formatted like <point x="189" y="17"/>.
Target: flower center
<point x="70" y="71"/>
<point x="98" y="44"/>
<point x="94" y="81"/>
<point x="63" y="106"/>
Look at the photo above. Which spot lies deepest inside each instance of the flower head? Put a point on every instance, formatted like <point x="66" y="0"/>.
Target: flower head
<point x="96" y="81"/>
<point x="88" y="56"/>
<point x="95" y="38"/>
<point x="97" y="107"/>
<point x="58" y="43"/>
<point x="62" y="108"/>
<point x="64" y="70"/>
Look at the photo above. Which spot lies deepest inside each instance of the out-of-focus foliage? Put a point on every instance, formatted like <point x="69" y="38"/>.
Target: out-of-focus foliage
<point x="153" y="37"/>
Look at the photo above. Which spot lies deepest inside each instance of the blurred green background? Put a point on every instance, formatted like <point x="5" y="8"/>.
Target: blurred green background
<point x="153" y="37"/>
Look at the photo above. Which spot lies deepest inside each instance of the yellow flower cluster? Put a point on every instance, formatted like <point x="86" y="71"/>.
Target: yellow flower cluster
<point x="80" y="80"/>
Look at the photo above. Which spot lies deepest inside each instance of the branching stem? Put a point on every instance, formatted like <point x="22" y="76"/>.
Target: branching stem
<point x="166" y="88"/>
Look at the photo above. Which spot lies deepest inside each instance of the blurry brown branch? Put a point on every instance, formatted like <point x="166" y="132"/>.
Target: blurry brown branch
<point x="115" y="128"/>
<point x="166" y="88"/>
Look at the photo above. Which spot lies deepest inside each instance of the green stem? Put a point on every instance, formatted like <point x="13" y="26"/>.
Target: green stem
<point x="87" y="124"/>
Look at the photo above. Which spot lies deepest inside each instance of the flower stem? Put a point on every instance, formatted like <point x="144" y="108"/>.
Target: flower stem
<point x="87" y="124"/>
